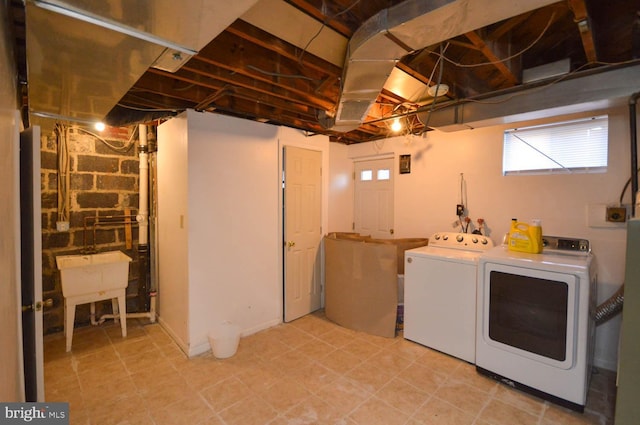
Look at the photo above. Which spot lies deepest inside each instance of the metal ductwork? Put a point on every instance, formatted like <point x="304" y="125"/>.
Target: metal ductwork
<point x="589" y="91"/>
<point x="84" y="55"/>
<point x="394" y="32"/>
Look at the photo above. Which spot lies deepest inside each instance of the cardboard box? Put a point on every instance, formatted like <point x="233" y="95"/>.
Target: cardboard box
<point x="361" y="281"/>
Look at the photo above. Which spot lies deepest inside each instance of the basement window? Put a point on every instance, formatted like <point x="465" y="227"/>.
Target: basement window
<point x="577" y="146"/>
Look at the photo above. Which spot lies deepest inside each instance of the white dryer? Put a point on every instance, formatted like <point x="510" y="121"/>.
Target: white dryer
<point x="536" y="327"/>
<point x="440" y="292"/>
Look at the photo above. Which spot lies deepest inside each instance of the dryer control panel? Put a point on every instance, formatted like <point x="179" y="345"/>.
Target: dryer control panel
<point x="567" y="246"/>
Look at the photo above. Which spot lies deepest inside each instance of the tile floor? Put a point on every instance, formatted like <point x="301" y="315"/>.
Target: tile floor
<point x="310" y="371"/>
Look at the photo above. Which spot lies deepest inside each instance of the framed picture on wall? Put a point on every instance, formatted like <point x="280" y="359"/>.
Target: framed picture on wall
<point x="405" y="164"/>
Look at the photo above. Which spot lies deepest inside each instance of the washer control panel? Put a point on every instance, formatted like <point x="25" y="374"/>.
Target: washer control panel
<point x="467" y="241"/>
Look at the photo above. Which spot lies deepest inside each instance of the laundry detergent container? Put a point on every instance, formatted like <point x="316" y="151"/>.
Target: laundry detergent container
<point x="224" y="339"/>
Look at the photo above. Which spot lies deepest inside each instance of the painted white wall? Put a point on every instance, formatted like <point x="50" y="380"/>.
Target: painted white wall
<point x="11" y="384"/>
<point x="173" y="227"/>
<point x="231" y="224"/>
<point x="425" y="199"/>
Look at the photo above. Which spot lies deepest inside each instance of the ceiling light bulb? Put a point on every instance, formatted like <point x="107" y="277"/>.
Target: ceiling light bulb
<point x="99" y="126"/>
<point x="396" y="125"/>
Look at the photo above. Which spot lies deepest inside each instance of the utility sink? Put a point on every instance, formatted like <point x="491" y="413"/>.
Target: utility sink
<point x="92" y="274"/>
<point x="91" y="278"/>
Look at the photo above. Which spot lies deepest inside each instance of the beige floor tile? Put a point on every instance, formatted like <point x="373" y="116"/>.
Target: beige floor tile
<point x="439" y="412"/>
<point x="312" y="410"/>
<point x="96" y="358"/>
<point x="190" y="411"/>
<point x="291" y="360"/>
<point x="116" y="412"/>
<point x="249" y="411"/>
<point x="140" y="362"/>
<point x="337" y="338"/>
<point x="343" y="394"/>
<point x="556" y="415"/>
<point x="369" y="378"/>
<point x="500" y="413"/>
<point x="206" y="376"/>
<point x="362" y="348"/>
<point x="260" y="377"/>
<point x="340" y="361"/>
<point x="226" y="393"/>
<point x="521" y="400"/>
<point x="388" y="360"/>
<point x="403" y="396"/>
<point x="463" y="396"/>
<point x="162" y="396"/>
<point x="310" y="371"/>
<point x="107" y="392"/>
<point x="423" y="377"/>
<point x="291" y="336"/>
<point x="407" y="349"/>
<point x="439" y="361"/>
<point x="375" y="411"/>
<point x="315" y="376"/>
<point x="316" y="349"/>
<point x="467" y="373"/>
<point x="112" y="370"/>
<point x="285" y="394"/>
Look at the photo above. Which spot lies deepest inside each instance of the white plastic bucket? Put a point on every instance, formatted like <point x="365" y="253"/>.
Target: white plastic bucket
<point x="224" y="339"/>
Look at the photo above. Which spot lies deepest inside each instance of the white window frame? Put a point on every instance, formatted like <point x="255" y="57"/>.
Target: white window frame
<point x="557" y="148"/>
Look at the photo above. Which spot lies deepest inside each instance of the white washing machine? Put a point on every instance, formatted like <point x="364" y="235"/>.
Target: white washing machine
<point x="440" y="293"/>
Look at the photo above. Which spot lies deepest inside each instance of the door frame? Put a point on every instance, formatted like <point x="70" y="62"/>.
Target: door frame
<point x="296" y="138"/>
<point x="31" y="264"/>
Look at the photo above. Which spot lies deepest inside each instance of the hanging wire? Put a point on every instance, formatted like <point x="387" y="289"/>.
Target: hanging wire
<point x="435" y="98"/>
<point x="508" y="58"/>
<point x="326" y="20"/>
<point x="120" y="149"/>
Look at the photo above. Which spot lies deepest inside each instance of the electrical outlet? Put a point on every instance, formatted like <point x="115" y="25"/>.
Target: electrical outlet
<point x="616" y="214"/>
<point x="62" y="226"/>
<point x="459" y="210"/>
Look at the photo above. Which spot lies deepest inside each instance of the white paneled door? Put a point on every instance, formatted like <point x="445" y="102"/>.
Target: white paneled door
<point x="373" y="209"/>
<point x="302" y="231"/>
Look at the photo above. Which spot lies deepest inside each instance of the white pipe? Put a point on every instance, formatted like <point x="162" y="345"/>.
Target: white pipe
<point x="143" y="209"/>
<point x="151" y="314"/>
<point x="143" y="225"/>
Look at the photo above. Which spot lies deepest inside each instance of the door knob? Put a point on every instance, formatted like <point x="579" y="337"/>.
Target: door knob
<point x="38" y="305"/>
<point x="291" y="244"/>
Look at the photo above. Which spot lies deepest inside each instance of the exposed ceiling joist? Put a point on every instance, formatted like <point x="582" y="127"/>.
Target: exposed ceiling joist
<point x="283" y="61"/>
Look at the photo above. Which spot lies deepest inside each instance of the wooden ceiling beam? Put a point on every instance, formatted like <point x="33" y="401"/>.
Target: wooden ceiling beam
<point x="201" y="97"/>
<point x="280" y="47"/>
<point x="582" y="19"/>
<point x="244" y="61"/>
<point x="256" y="83"/>
<point x="506" y="73"/>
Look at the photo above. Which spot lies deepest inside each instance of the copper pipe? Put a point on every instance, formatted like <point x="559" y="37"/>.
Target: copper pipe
<point x="107" y="220"/>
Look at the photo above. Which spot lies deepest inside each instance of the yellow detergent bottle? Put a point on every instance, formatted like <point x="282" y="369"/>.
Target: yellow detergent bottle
<point x="525" y="237"/>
